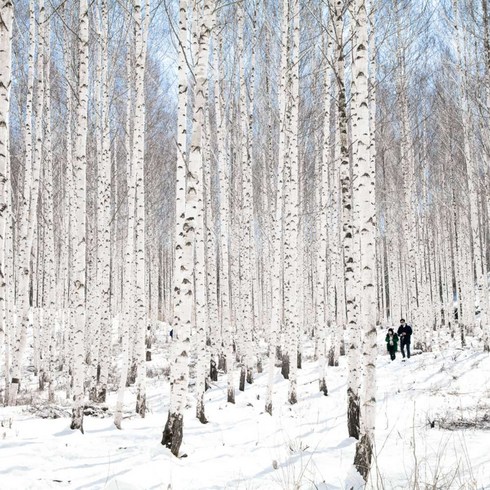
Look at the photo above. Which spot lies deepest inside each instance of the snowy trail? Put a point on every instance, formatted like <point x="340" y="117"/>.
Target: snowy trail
<point x="241" y="444"/>
<point x="438" y="388"/>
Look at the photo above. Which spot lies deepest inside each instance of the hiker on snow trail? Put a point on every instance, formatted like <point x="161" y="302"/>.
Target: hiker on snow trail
<point x="392" y="343"/>
<point x="405" y="333"/>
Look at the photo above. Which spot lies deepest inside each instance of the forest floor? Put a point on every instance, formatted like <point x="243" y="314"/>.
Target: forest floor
<point x="433" y="431"/>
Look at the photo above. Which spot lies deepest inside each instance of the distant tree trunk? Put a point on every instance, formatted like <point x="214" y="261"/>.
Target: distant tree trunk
<point x="335" y="293"/>
<point x="246" y="244"/>
<point x="394" y="276"/>
<point x="268" y="209"/>
<point x="214" y="331"/>
<point x="34" y="233"/>
<point x="408" y="162"/>
<point x="127" y="321"/>
<point x="472" y="178"/>
<point x="324" y="310"/>
<point x="202" y="326"/>
<point x="93" y="299"/>
<point x="224" y="214"/>
<point x="486" y="162"/>
<point x="255" y="358"/>
<point x="285" y="155"/>
<point x="49" y="302"/>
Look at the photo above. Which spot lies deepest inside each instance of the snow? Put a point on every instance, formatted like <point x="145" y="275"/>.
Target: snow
<point x="302" y="446"/>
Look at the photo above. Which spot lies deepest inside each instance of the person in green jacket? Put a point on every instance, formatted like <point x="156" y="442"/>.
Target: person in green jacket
<point x="392" y="343"/>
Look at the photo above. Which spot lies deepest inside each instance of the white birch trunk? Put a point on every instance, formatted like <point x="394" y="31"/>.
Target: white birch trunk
<point x="141" y="20"/>
<point x="284" y="331"/>
<point x="254" y="356"/>
<point x="184" y="290"/>
<point x="486" y="163"/>
<point x="335" y="294"/>
<point x="224" y="213"/>
<point x="198" y="152"/>
<point x="277" y="229"/>
<point x="67" y="252"/>
<point x="324" y="306"/>
<point x="8" y="271"/>
<point x="472" y="174"/>
<point x="93" y="299"/>
<point x="215" y="333"/>
<point x="393" y="270"/>
<point x="104" y="217"/>
<point x="23" y="261"/>
<point x="78" y="207"/>
<point x="362" y="138"/>
<point x="33" y="231"/>
<point x="201" y="349"/>
<point x="6" y="25"/>
<point x="349" y="253"/>
<point x="291" y="256"/>
<point x="128" y="314"/>
<point x="49" y="303"/>
<point x="407" y="162"/>
<point x="246" y="216"/>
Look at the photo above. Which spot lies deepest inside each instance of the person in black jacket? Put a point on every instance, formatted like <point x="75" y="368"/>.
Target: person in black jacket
<point x="391" y="340"/>
<point x="405" y="333"/>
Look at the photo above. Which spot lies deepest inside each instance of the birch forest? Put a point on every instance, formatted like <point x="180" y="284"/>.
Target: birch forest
<point x="240" y="189"/>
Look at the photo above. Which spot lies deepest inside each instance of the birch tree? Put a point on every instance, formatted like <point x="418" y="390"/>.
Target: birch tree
<point x="103" y="317"/>
<point x="199" y="146"/>
<point x="472" y="175"/>
<point x="362" y="137"/>
<point x="24" y="246"/>
<point x="350" y="255"/>
<point x="68" y="197"/>
<point x="141" y="20"/>
<point x="277" y="231"/>
<point x="246" y="216"/>
<point x="182" y="292"/>
<point x="184" y="260"/>
<point x="324" y="312"/>
<point x="78" y="206"/>
<point x="6" y="25"/>
<point x="224" y="214"/>
<point x="214" y="331"/>
<point x="291" y="269"/>
<point x="129" y="267"/>
<point x="48" y="303"/>
<point x="407" y="163"/>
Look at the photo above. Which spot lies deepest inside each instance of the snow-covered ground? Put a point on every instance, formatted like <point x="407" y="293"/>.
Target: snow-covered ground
<point x="433" y="431"/>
